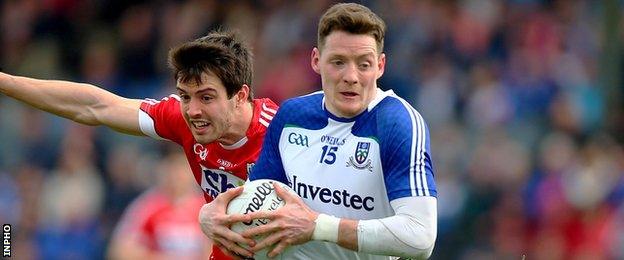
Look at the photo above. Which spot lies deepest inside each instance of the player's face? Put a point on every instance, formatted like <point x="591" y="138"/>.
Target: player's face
<point x="206" y="108"/>
<point x="349" y="66"/>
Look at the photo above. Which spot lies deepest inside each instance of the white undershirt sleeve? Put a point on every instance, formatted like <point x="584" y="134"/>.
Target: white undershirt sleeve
<point x="411" y="232"/>
<point x="146" y="124"/>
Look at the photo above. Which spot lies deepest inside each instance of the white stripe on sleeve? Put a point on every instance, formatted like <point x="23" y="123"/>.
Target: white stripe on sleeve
<point x="413" y="179"/>
<point x="266" y="116"/>
<point x="263" y="122"/>
<point x="422" y="134"/>
<point x="146" y="123"/>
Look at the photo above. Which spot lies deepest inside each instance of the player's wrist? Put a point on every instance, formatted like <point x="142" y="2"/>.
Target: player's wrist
<point x="326" y="228"/>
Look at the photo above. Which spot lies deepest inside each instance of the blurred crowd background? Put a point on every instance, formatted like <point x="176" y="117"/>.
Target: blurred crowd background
<point x="523" y="99"/>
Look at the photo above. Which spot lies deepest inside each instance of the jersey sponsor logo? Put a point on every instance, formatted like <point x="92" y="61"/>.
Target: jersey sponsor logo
<point x="359" y="160"/>
<point x="258" y="199"/>
<point x="333" y="140"/>
<point x="224" y="163"/>
<point x="216" y="181"/>
<point x="298" y="139"/>
<point x="336" y="197"/>
<point x="201" y="151"/>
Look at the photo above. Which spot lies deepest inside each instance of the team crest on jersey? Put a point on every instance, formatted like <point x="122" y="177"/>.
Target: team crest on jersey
<point x="201" y="151"/>
<point x="360" y="159"/>
<point x="249" y="167"/>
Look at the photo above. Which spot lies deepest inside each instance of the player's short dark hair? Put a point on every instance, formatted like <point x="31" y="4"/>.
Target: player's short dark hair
<point x="221" y="52"/>
<point x="352" y="18"/>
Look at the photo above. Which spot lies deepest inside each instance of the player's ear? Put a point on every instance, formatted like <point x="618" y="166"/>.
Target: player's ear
<point x="315" y="58"/>
<point x="242" y="95"/>
<point x="381" y="64"/>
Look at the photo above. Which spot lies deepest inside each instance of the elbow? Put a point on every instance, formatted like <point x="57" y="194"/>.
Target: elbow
<point x="427" y="239"/>
<point x="423" y="248"/>
<point x="425" y="253"/>
<point x="421" y="240"/>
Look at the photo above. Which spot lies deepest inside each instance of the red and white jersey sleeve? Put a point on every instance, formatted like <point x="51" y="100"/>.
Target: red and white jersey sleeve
<point x="216" y="167"/>
<point x="163" y="119"/>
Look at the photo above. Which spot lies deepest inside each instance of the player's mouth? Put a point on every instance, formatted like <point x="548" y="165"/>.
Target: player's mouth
<point x="349" y="94"/>
<point x="200" y="126"/>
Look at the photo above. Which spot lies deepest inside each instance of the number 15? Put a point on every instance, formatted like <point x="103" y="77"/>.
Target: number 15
<point x="329" y="154"/>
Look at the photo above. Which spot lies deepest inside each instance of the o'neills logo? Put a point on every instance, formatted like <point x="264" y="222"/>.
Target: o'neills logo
<point x="201" y="151"/>
<point x="259" y="198"/>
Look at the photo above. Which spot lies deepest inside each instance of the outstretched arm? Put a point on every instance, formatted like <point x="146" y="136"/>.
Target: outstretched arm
<point x="82" y="103"/>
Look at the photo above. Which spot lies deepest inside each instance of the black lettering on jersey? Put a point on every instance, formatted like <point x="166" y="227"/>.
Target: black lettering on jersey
<point x="336" y="197"/>
<point x="217" y="183"/>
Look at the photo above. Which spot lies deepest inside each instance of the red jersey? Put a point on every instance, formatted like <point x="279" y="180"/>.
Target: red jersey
<point x="216" y="167"/>
<point x="164" y="226"/>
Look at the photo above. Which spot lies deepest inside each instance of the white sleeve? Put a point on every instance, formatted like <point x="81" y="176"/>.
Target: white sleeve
<point x="146" y="123"/>
<point x="411" y="232"/>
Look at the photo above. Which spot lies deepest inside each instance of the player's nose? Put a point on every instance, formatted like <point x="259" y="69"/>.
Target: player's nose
<point x="350" y="75"/>
<point x="194" y="108"/>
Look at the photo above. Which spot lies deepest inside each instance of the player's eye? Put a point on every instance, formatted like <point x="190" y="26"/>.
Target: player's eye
<point x="338" y="62"/>
<point x="184" y="97"/>
<point x="365" y="64"/>
<point x="206" y="98"/>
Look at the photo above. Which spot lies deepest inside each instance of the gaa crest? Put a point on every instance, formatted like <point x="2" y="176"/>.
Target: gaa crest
<point x="360" y="160"/>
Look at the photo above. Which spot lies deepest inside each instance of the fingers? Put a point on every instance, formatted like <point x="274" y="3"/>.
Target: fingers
<point x="235" y="237"/>
<point x="231" y="219"/>
<point x="265" y="214"/>
<point x="268" y="228"/>
<point x="229" y="194"/>
<point x="232" y="248"/>
<point x="284" y="194"/>
<point x="278" y="249"/>
<point x="267" y="241"/>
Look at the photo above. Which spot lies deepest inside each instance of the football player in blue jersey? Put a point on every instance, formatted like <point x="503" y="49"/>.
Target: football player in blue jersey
<point x="358" y="157"/>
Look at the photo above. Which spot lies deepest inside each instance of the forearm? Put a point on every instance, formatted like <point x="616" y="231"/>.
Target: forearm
<point x="71" y="100"/>
<point x="82" y="103"/>
<point x="347" y="234"/>
<point x="410" y="233"/>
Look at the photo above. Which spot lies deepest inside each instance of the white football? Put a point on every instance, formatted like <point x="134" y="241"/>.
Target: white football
<point x="257" y="195"/>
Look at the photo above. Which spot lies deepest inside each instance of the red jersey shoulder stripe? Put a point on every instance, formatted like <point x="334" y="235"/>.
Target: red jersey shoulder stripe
<point x="268" y="109"/>
<point x="266" y="115"/>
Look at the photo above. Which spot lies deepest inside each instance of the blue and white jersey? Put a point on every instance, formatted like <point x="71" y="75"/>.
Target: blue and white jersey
<point x="350" y="168"/>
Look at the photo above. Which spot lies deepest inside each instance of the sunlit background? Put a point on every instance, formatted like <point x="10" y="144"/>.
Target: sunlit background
<point x="523" y="99"/>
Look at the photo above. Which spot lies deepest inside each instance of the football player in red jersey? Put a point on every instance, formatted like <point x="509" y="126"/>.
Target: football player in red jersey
<point x="162" y="222"/>
<point x="213" y="116"/>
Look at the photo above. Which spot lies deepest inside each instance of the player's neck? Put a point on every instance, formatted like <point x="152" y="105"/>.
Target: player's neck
<point x="240" y="124"/>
